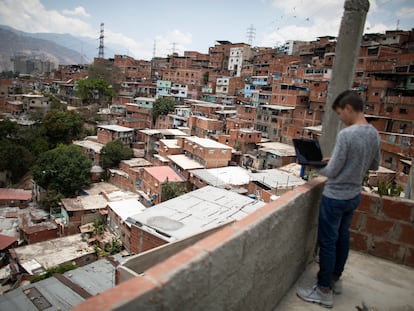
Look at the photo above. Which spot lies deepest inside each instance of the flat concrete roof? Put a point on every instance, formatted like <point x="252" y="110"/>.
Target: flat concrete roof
<point x="185" y="162"/>
<point x="85" y="202"/>
<point x="207" y="142"/>
<point x="126" y="208"/>
<point x="219" y="177"/>
<point x="280" y="149"/>
<point x="161" y="158"/>
<point x="118" y="172"/>
<point x="278" y="107"/>
<point x="51" y="253"/>
<point x="95" y="146"/>
<point x="116" y="128"/>
<point x="170" y="143"/>
<point x="194" y="212"/>
<point x="96" y="188"/>
<point x="121" y="195"/>
<point x="172" y="132"/>
<point x="137" y="162"/>
<point x="275" y="178"/>
<point x="227" y="112"/>
<point x="202" y="103"/>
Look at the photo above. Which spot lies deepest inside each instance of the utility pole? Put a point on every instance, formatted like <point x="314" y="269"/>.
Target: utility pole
<point x="346" y="56"/>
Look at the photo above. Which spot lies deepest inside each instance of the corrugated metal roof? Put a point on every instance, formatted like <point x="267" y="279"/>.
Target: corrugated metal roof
<point x="15" y="194"/>
<point x="65" y="292"/>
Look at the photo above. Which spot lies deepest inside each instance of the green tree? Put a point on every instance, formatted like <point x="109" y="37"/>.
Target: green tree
<point x="8" y="129"/>
<point x="62" y="127"/>
<point x="171" y="190"/>
<point x="99" y="226"/>
<point x="64" y="169"/>
<point x="162" y="106"/>
<point x="94" y="90"/>
<point x="14" y="159"/>
<point x="113" y="247"/>
<point x="113" y="152"/>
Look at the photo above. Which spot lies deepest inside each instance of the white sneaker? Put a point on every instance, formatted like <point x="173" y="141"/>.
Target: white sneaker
<point x="337" y="287"/>
<point x="314" y="294"/>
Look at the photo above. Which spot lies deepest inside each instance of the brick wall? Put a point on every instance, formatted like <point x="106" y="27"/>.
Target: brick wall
<point x="384" y="227"/>
<point x="142" y="241"/>
<point x="39" y="236"/>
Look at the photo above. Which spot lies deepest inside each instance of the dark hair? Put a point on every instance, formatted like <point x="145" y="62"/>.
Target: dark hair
<point x="348" y="97"/>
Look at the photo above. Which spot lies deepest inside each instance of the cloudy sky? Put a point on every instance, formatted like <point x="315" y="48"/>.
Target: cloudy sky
<point x="190" y="25"/>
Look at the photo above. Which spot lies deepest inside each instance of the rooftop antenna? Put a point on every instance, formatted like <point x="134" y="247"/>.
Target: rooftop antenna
<point x="173" y="47"/>
<point x="251" y="34"/>
<point x="101" y="42"/>
<point x="398" y="24"/>
<point x="154" y="48"/>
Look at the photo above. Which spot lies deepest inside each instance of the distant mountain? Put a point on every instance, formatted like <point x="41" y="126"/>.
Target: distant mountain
<point x="57" y="48"/>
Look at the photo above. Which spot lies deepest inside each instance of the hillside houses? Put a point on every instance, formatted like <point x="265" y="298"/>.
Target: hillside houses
<point x="228" y="137"/>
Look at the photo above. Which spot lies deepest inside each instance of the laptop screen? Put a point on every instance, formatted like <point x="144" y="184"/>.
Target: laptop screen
<point x="308" y="149"/>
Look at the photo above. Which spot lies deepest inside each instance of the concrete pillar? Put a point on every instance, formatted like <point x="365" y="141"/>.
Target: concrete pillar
<point x="346" y="56"/>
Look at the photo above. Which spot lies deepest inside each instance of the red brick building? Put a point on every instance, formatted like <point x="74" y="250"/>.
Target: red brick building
<point x="108" y="133"/>
<point x="206" y="151"/>
<point x="153" y="179"/>
<point x="15" y="197"/>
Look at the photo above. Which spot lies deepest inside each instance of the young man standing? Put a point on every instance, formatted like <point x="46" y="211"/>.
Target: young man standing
<point x="357" y="150"/>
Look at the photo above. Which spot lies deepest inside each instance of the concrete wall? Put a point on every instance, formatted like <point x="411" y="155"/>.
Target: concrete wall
<point x="248" y="265"/>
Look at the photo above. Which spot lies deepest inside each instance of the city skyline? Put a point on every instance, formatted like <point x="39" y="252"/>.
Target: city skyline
<point x="140" y="28"/>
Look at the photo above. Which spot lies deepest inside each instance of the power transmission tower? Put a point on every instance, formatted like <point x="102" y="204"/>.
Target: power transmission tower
<point x="251" y="34"/>
<point x="101" y="42"/>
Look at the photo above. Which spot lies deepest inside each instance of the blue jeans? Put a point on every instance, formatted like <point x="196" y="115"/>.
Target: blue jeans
<point x="335" y="217"/>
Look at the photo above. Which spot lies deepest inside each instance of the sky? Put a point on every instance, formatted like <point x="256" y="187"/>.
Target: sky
<point x="139" y="28"/>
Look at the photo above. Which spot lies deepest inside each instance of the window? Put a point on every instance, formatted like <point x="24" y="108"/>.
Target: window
<point x="391" y="139"/>
<point x="388" y="109"/>
<point x="211" y="151"/>
<point x="405" y="141"/>
<point x="403" y="111"/>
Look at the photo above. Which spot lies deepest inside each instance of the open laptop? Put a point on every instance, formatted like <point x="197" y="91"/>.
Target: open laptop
<point x="308" y="152"/>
